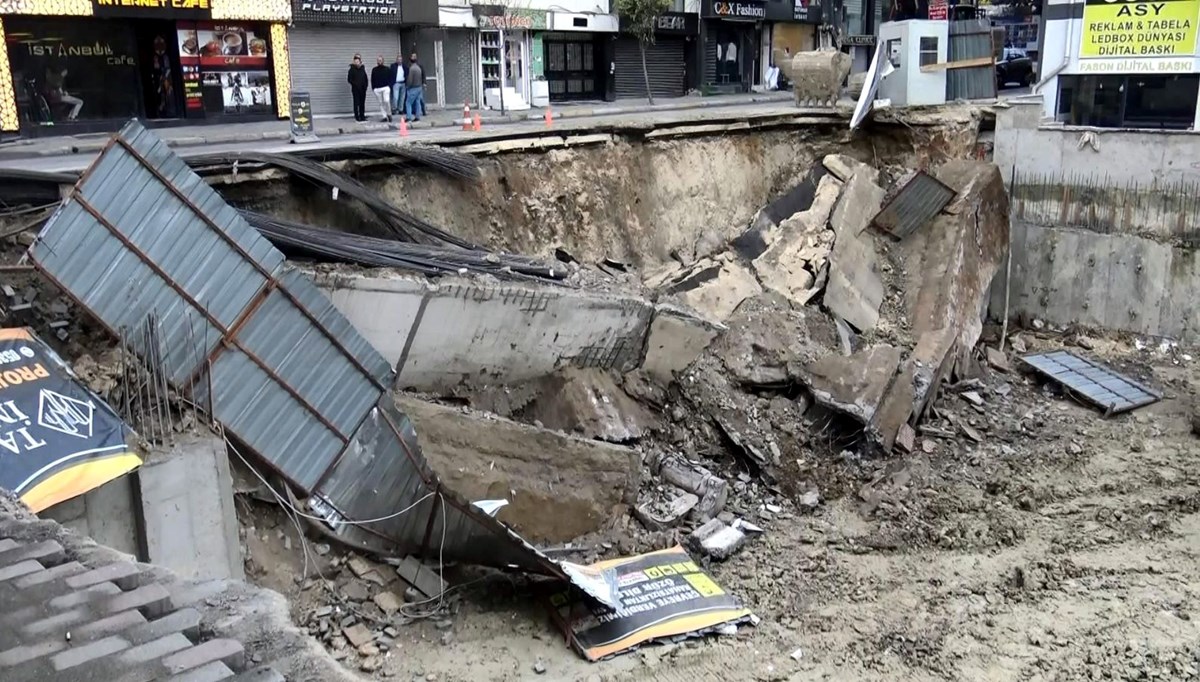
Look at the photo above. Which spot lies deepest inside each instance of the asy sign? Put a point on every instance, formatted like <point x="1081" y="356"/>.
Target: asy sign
<point x="1139" y="28"/>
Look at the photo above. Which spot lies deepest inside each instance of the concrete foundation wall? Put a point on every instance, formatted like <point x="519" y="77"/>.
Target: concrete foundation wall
<point x="106" y="514"/>
<point x="187" y="501"/>
<point x="1120" y="282"/>
<point x="440" y="333"/>
<point x="1123" y="156"/>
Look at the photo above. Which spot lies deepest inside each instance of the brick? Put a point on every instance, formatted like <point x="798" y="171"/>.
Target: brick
<point x="48" y="552"/>
<point x="66" y="570"/>
<point x="81" y="597"/>
<point x="57" y="622"/>
<point x="184" y="621"/>
<point x="21" y="654"/>
<point x="357" y="635"/>
<point x="19" y="569"/>
<point x="109" y="626"/>
<point x="152" y="600"/>
<point x="155" y="649"/>
<point x="88" y="652"/>
<point x="226" y="651"/>
<point x="124" y="575"/>
<point x="210" y="672"/>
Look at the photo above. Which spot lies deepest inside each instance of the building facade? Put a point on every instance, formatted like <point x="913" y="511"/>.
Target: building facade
<point x="69" y="66"/>
<point x="1121" y="64"/>
<point x="670" y="60"/>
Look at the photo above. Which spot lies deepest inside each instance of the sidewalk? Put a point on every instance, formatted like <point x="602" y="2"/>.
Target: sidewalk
<point x="224" y="133"/>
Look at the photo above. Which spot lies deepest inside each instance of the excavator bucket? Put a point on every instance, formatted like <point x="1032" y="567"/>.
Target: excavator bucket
<point x="817" y="76"/>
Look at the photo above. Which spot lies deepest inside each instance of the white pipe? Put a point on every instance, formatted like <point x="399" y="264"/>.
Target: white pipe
<point x="1066" y="60"/>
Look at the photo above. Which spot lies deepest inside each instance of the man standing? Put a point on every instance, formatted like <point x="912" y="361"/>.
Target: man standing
<point x="357" y="78"/>
<point x="415" y="86"/>
<point x="381" y="83"/>
<point x="398" y="85"/>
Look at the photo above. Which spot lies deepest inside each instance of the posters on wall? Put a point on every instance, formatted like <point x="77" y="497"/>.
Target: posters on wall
<point x="225" y="67"/>
<point x="58" y="440"/>
<point x="1140" y="29"/>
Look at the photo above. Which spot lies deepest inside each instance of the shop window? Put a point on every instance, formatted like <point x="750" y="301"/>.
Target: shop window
<point x="928" y="49"/>
<point x="67" y="70"/>
<point x="1128" y="101"/>
<point x="226" y="68"/>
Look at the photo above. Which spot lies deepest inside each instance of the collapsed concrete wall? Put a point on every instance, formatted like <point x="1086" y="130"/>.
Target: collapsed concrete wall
<point x="439" y="334"/>
<point x="558" y="487"/>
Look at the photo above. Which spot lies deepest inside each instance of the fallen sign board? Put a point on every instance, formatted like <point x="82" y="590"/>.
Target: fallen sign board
<point x="914" y="201"/>
<point x="1096" y="383"/>
<point x="58" y="440"/>
<point x="663" y="594"/>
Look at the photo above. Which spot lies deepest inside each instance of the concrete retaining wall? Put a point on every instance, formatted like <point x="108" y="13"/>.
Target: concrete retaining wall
<point x="440" y="333"/>
<point x="107" y="514"/>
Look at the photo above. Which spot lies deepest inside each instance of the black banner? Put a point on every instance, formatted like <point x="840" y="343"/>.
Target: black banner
<point x="379" y="12"/>
<point x="302" y="116"/>
<point x="57" y="439"/>
<point x="663" y="594"/>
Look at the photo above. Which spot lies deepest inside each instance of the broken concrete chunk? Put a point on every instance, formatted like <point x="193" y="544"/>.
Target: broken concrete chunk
<point x="676" y="339"/>
<point x="717" y="289"/>
<point x="855" y="290"/>
<point x="790" y="265"/>
<point x="388" y="602"/>
<point x="855" y="384"/>
<point x="662" y="511"/>
<point x="716" y="540"/>
<point x="844" y="167"/>
<point x="420" y="576"/>
<point x="358" y="635"/>
<point x="712" y="491"/>
<point x="998" y="360"/>
<point x="766" y="337"/>
<point x="558" y="487"/>
<point x="588" y="403"/>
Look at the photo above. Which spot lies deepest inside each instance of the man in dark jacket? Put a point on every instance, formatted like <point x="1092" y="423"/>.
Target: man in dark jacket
<point x="414" y="86"/>
<point x="357" y="78"/>
<point x="381" y="84"/>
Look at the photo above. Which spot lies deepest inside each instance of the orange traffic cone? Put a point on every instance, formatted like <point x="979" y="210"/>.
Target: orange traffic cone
<point x="403" y="127"/>
<point x="478" y="122"/>
<point x="466" y="116"/>
<point x="549" y="117"/>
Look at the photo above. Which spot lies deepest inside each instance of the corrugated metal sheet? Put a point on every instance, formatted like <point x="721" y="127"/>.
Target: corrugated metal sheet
<point x="1103" y="387"/>
<point x="917" y="201"/>
<point x="282" y="369"/>
<point x="970" y="39"/>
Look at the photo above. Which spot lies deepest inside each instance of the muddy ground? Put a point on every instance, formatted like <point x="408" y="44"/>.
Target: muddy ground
<point x="1062" y="546"/>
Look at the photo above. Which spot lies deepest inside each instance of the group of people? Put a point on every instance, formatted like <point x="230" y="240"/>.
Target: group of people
<point x="400" y="90"/>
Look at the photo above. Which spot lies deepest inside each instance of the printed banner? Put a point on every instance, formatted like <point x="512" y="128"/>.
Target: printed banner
<point x="57" y="439"/>
<point x="1139" y="28"/>
<point x="663" y="594"/>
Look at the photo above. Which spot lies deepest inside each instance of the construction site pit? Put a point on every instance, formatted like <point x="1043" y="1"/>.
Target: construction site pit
<point x="653" y="323"/>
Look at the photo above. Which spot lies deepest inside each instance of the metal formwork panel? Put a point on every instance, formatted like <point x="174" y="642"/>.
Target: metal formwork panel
<point x="1100" y="385"/>
<point x="917" y="201"/>
<point x="142" y="235"/>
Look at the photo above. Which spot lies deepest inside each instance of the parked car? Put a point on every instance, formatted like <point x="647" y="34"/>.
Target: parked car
<point x="1014" y="67"/>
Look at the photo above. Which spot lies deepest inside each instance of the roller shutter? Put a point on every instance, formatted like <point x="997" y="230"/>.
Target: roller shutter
<point x="320" y="57"/>
<point x="664" y="63"/>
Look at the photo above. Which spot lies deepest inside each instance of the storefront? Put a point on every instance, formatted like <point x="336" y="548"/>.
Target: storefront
<point x="731" y="35"/>
<point x="791" y="27"/>
<point x="1102" y="68"/>
<point x="669" y="61"/>
<point x="509" y="60"/>
<point x="326" y="36"/>
<point x="575" y="54"/>
<point x="90" y="65"/>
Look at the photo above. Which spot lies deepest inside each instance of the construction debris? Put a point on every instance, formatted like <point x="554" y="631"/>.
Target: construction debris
<point x="1096" y="383"/>
<point x="716" y="540"/>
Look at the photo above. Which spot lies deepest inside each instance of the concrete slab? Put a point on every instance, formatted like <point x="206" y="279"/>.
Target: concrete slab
<point x="790" y="264"/>
<point x="676" y="338"/>
<point x="717" y="288"/>
<point x="854" y="384"/>
<point x="558" y="487"/>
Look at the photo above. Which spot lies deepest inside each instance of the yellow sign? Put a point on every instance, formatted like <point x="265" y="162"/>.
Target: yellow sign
<point x="1139" y="28"/>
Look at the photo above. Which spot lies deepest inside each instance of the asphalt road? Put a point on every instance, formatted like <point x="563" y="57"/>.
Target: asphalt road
<point x="581" y="125"/>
